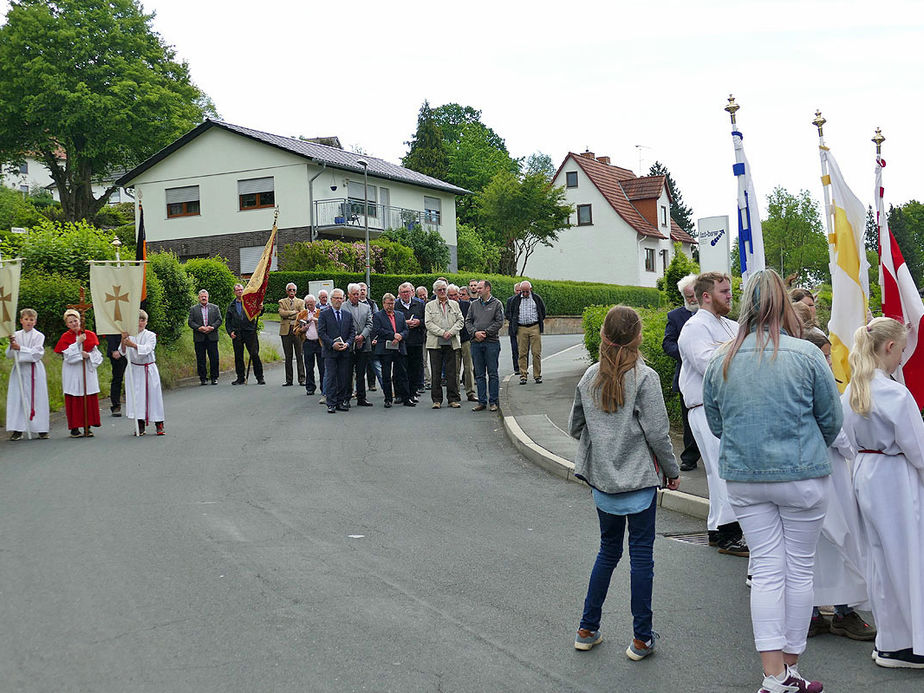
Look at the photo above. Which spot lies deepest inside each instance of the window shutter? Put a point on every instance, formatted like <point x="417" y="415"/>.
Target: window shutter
<point x="188" y="194"/>
<point x="255" y="185"/>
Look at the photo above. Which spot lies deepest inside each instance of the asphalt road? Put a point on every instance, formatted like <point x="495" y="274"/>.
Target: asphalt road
<point x="264" y="545"/>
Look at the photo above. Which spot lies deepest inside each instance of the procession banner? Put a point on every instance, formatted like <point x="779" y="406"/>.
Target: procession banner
<point x="256" y="287"/>
<point x="750" y="237"/>
<point x="846" y="220"/>
<point x="900" y="297"/>
<point x="9" y="295"/>
<point x="116" y="290"/>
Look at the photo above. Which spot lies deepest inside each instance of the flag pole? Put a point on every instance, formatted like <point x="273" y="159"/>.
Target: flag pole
<point x="878" y="139"/>
<point x="819" y="122"/>
<point x="130" y="383"/>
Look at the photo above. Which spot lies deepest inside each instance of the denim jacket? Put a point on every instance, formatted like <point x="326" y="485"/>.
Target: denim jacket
<point x="775" y="415"/>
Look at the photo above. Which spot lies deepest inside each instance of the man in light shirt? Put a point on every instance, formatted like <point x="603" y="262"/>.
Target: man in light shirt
<point x="527" y="316"/>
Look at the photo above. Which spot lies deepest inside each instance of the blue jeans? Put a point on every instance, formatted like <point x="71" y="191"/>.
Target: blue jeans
<point x="641" y="562"/>
<point x="485" y="356"/>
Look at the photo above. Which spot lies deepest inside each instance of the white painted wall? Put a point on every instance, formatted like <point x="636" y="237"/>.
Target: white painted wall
<point x="38" y="176"/>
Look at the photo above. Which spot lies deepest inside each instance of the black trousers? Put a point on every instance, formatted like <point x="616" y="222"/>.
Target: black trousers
<point x="690" y="452"/>
<point x="515" y="353"/>
<point x="211" y="348"/>
<point x="440" y="357"/>
<point x="358" y="373"/>
<point x="311" y="354"/>
<point x="118" y="375"/>
<point x="337" y="378"/>
<point x="415" y="369"/>
<point x="394" y="376"/>
<point x="252" y="343"/>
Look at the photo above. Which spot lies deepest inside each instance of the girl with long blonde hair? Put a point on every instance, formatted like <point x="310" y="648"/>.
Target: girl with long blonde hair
<point x="883" y="424"/>
<point x="621" y="422"/>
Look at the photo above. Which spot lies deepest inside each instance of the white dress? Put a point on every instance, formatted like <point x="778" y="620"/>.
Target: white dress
<point x="145" y="400"/>
<point x="28" y="363"/>
<point x="889" y="486"/>
<point x="840" y="559"/>
<point x="72" y="371"/>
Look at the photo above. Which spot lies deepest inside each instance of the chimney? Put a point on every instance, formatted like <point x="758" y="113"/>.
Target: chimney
<point x="604" y="160"/>
<point x="588" y="155"/>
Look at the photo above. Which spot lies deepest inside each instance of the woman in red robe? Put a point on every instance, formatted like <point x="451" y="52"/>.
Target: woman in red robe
<point x="78" y="375"/>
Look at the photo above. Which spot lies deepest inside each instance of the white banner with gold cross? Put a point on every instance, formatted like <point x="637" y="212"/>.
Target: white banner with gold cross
<point x="116" y="292"/>
<point x="9" y="295"/>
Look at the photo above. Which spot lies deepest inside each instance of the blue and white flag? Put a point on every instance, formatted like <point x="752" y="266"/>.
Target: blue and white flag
<point x="750" y="238"/>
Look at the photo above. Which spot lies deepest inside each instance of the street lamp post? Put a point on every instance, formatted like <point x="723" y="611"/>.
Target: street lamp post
<point x="365" y="165"/>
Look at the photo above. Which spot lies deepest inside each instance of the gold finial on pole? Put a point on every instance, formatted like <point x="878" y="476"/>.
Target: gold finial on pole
<point x="819" y="121"/>
<point x="732" y="107"/>
<point x="878" y="138"/>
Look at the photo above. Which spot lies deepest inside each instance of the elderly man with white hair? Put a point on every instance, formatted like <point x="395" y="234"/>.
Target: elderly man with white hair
<point x="527" y="316"/>
<point x="676" y="319"/>
<point x="289" y="308"/>
<point x="362" y="345"/>
<point x="311" y="346"/>
<point x="443" y="320"/>
<point x="413" y="311"/>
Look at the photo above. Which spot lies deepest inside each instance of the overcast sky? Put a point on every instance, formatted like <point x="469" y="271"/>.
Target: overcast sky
<point x="570" y="76"/>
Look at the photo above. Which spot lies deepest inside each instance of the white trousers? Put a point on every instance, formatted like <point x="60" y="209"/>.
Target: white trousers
<point x="720" y="512"/>
<point x="781" y="522"/>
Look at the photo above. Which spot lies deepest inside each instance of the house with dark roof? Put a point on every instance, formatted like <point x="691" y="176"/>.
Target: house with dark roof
<point x="214" y="191"/>
<point x="622" y="231"/>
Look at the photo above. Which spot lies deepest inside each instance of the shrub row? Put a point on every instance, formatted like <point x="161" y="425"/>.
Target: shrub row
<point x="654" y="320"/>
<point x="560" y="297"/>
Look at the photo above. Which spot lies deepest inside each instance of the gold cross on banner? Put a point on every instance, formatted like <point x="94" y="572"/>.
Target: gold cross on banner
<point x="114" y="296"/>
<point x="4" y="299"/>
<point x="82" y="307"/>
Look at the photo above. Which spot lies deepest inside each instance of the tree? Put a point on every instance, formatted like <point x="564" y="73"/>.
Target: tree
<point x="540" y="163"/>
<point x="680" y="267"/>
<point x="519" y="213"/>
<point x="429" y="248"/>
<point x="871" y="237"/>
<point x="794" y="238"/>
<point x="426" y="153"/>
<point x="680" y="213"/>
<point x="907" y="225"/>
<point x="473" y="254"/>
<point x="88" y="87"/>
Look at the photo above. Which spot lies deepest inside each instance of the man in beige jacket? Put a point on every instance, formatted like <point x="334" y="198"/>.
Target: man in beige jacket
<point x="443" y="320"/>
<point x="289" y="308"/>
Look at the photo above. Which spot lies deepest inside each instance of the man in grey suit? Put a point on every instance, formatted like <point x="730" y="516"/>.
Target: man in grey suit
<point x="204" y="320"/>
<point x="362" y="344"/>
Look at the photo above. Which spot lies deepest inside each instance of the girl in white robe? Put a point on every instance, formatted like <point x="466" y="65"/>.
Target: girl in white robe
<point x="884" y="426"/>
<point x="145" y="400"/>
<point x="27" y="396"/>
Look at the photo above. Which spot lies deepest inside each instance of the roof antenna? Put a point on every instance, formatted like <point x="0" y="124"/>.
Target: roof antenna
<point x="639" y="148"/>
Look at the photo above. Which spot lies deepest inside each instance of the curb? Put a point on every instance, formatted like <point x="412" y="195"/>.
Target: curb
<point x="676" y="501"/>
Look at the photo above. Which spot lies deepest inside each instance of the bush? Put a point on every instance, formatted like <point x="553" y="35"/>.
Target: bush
<point x="65" y="248"/>
<point x="16" y="210"/>
<point x="429" y="248"/>
<point x="473" y="254"/>
<point x="213" y="275"/>
<point x="680" y="267"/>
<point x="653" y="323"/>
<point x="154" y="306"/>
<point x="396" y="258"/>
<point x="116" y="215"/>
<point x="49" y="295"/>
<point x="177" y="294"/>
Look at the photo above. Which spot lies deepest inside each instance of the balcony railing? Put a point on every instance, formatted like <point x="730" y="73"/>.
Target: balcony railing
<point x="348" y="213"/>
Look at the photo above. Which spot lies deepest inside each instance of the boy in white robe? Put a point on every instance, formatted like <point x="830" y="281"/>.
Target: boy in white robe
<point x="145" y="400"/>
<point x="27" y="397"/>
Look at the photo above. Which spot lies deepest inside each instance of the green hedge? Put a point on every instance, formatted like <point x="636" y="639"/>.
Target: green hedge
<point x="654" y="320"/>
<point x="560" y="297"/>
<point x="213" y="275"/>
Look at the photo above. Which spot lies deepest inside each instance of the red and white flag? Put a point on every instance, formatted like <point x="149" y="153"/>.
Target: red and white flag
<point x="900" y="297"/>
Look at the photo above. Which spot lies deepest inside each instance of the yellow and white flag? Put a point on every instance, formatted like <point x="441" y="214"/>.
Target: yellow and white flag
<point x="116" y="291"/>
<point x="846" y="219"/>
<point x="9" y="295"/>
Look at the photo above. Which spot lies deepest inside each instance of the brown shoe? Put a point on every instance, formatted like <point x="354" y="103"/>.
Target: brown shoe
<point x="479" y="407"/>
<point x="852" y="626"/>
<point x="493" y="407"/>
<point x="472" y="398"/>
<point x="454" y="405"/>
<point x="819" y="625"/>
<point x="436" y="405"/>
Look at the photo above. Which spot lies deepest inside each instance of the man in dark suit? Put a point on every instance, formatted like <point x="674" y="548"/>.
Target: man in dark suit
<point x="243" y="333"/>
<point x="413" y="311"/>
<point x="676" y="319"/>
<point x="204" y="320"/>
<point x="389" y="334"/>
<point x="337" y="333"/>
<point x="512" y="329"/>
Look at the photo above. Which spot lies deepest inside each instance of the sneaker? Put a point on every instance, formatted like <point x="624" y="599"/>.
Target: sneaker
<point x="493" y="407"/>
<point x="454" y="405"/>
<point x="853" y="627"/>
<point x="586" y="639"/>
<point x="75" y="433"/>
<point x="16" y="435"/>
<point x="523" y="381"/>
<point x="818" y="625"/>
<point x="773" y="685"/>
<point x="638" y="650"/>
<point x="900" y="659"/>
<point x="436" y="405"/>
<point x="794" y="678"/>
<point x="538" y="380"/>
<point x="735" y="547"/>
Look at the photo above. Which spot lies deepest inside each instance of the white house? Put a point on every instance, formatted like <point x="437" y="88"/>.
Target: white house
<point x="622" y="230"/>
<point x="33" y="174"/>
<point x="214" y="192"/>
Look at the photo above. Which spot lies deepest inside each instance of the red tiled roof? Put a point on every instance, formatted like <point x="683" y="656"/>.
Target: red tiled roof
<point x="678" y="234"/>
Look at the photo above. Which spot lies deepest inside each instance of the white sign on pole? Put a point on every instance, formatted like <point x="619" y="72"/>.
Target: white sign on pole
<point x="714" y="244"/>
<point x="326" y="284"/>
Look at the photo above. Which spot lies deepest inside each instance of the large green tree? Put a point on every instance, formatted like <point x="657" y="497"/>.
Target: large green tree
<point x="426" y="152"/>
<point x="88" y="87"/>
<point x="680" y="213"/>
<point x="907" y="225"/>
<point x="517" y="213"/>
<point x="794" y="237"/>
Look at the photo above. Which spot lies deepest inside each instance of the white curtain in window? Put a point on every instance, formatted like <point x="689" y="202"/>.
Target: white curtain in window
<point x="255" y="185"/>
<point x="356" y="191"/>
<point x="190" y="193"/>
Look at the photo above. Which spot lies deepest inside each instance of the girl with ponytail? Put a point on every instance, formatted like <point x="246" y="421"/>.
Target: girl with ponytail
<point x="621" y="422"/>
<point x="883" y="424"/>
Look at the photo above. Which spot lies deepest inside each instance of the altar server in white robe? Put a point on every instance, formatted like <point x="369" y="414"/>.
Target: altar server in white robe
<point x="146" y="400"/>
<point x="27" y="396"/>
<point x="883" y="423"/>
<point x="79" y="380"/>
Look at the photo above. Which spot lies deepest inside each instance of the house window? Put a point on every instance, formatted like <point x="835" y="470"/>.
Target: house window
<point x="584" y="215"/>
<point x="663" y="215"/>
<point x="24" y="189"/>
<point x="115" y="198"/>
<point x="432" y="210"/>
<point x="358" y="195"/>
<point x="255" y="193"/>
<point x="24" y="168"/>
<point x="649" y="260"/>
<point x="664" y="261"/>
<point x="182" y="202"/>
<point x="571" y="179"/>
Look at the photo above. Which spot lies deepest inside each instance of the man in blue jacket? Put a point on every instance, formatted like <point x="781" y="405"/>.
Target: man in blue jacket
<point x="337" y="334"/>
<point x="676" y="319"/>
